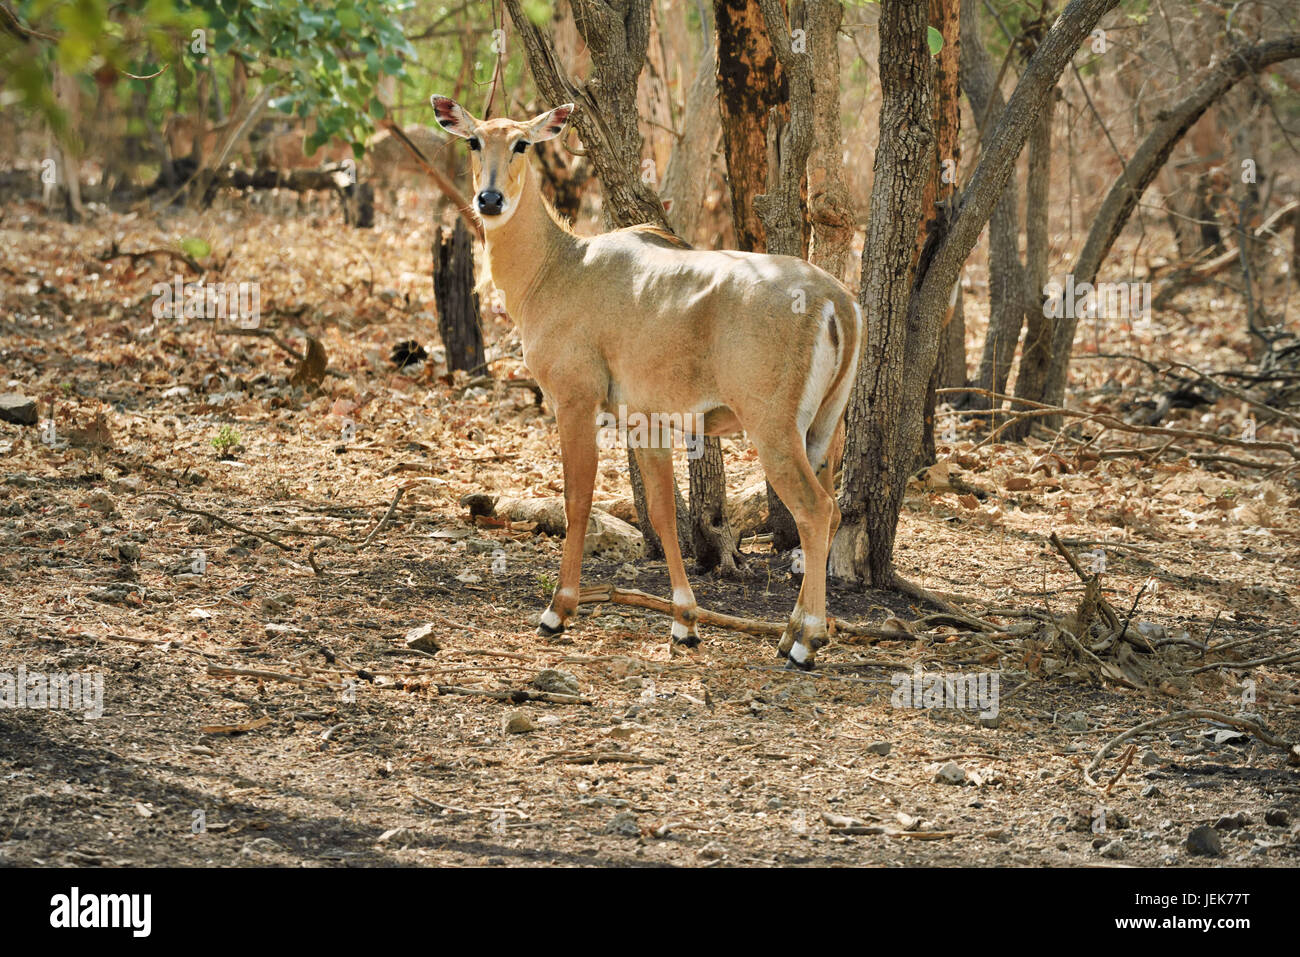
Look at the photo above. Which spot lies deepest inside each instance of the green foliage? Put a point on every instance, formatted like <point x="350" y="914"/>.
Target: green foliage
<point x="935" y="39"/>
<point x="327" y="63"/>
<point x="195" y="247"/>
<point x="225" y="440"/>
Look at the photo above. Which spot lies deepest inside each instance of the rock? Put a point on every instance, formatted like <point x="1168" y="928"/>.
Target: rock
<point x="128" y="551"/>
<point x="479" y="503"/>
<point x="556" y="682"/>
<point x="1075" y="721"/>
<point x="519" y="723"/>
<point x="17" y="409"/>
<point x="607" y="536"/>
<point x="881" y="748"/>
<point x="1204" y="841"/>
<point x="468" y="578"/>
<point x="623" y="824"/>
<point x="712" y="851"/>
<point x="1232" y="822"/>
<point x="1150" y="759"/>
<point x="100" y="501"/>
<point x="1114" y="850"/>
<point x="396" y="834"/>
<point x="950" y="773"/>
<point x="627" y="572"/>
<point x="421" y="639"/>
<point x="1277" y="817"/>
<point x="1151" y="791"/>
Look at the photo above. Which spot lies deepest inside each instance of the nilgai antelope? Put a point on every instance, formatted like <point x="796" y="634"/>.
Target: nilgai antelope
<point x="635" y="321"/>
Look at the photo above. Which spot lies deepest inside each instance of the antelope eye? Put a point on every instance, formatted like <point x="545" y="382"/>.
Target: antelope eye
<point x="474" y="144"/>
<point x="521" y="146"/>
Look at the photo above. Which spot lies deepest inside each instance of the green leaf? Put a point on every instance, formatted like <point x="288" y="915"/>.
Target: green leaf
<point x="193" y="246"/>
<point x="935" y="39"/>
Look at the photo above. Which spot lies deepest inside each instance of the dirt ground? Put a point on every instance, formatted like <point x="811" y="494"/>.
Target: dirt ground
<point x="339" y="745"/>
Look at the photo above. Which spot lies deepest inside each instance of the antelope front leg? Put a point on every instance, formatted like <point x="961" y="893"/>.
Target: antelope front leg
<point x="578" y="452"/>
<point x="657" y="473"/>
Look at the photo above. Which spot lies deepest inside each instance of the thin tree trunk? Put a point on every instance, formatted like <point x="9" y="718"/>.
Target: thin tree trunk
<point x="903" y="332"/>
<point x="457" y="302"/>
<point x="876" y="447"/>
<point x="831" y="208"/>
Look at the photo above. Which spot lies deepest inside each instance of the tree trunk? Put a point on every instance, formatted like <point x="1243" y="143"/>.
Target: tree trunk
<point x="751" y="83"/>
<point x="713" y="539"/>
<point x="1006" y="274"/>
<point x="885" y="412"/>
<point x="1037" y="355"/>
<point x="877" y="448"/>
<point x="457" y="302"/>
<point x="831" y="208"/>
<point x="941" y="187"/>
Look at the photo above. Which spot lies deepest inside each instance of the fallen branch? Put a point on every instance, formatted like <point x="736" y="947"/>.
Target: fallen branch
<point x="515" y="695"/>
<point x="596" y="757"/>
<point x="1242" y="724"/>
<point x="596" y="594"/>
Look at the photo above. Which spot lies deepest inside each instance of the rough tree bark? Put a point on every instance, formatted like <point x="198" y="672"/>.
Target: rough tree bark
<point x="458" y="306"/>
<point x="905" y="317"/>
<point x="830" y="206"/>
<point x="1006" y="273"/>
<point x="1037" y="354"/>
<point x="1142" y="168"/>
<point x="751" y="83"/>
<point x="940" y="194"/>
<point x="876" y="443"/>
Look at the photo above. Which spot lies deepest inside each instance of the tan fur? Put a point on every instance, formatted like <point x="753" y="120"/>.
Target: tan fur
<point x="637" y="318"/>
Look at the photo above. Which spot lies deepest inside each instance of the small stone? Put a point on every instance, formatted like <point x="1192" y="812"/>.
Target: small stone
<point x="556" y="682"/>
<point x="1075" y="721"/>
<point x="712" y="851"/>
<point x="1044" y="774"/>
<point x="623" y="824"/>
<point x="128" y="551"/>
<point x="1150" y="759"/>
<point x="881" y="748"/>
<point x="519" y="723"/>
<point x="1204" y="842"/>
<point x="17" y="409"/>
<point x="1231" y="822"/>
<point x="950" y="773"/>
<point x="421" y="639"/>
<point x="1277" y="817"/>
<point x="1151" y="791"/>
<point x="627" y="572"/>
<point x="1114" y="850"/>
<point x="468" y="578"/>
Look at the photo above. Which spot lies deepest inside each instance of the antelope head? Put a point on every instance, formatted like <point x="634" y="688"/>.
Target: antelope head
<point x="498" y="147"/>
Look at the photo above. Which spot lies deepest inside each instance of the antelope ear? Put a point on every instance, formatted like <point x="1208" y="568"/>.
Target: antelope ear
<point x="452" y="117"/>
<point x="550" y="125"/>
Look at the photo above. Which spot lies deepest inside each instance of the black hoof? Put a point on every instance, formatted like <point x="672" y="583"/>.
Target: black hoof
<point x="792" y="665"/>
<point x="690" y="641"/>
<point x="546" y="631"/>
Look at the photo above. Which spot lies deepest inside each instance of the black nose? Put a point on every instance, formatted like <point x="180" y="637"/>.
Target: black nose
<point x="490" y="202"/>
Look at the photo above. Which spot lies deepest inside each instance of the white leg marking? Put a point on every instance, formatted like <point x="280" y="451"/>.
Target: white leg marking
<point x="798" y="653"/>
<point x="683" y="597"/>
<point x="679" y="630"/>
<point x="551" y="620"/>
